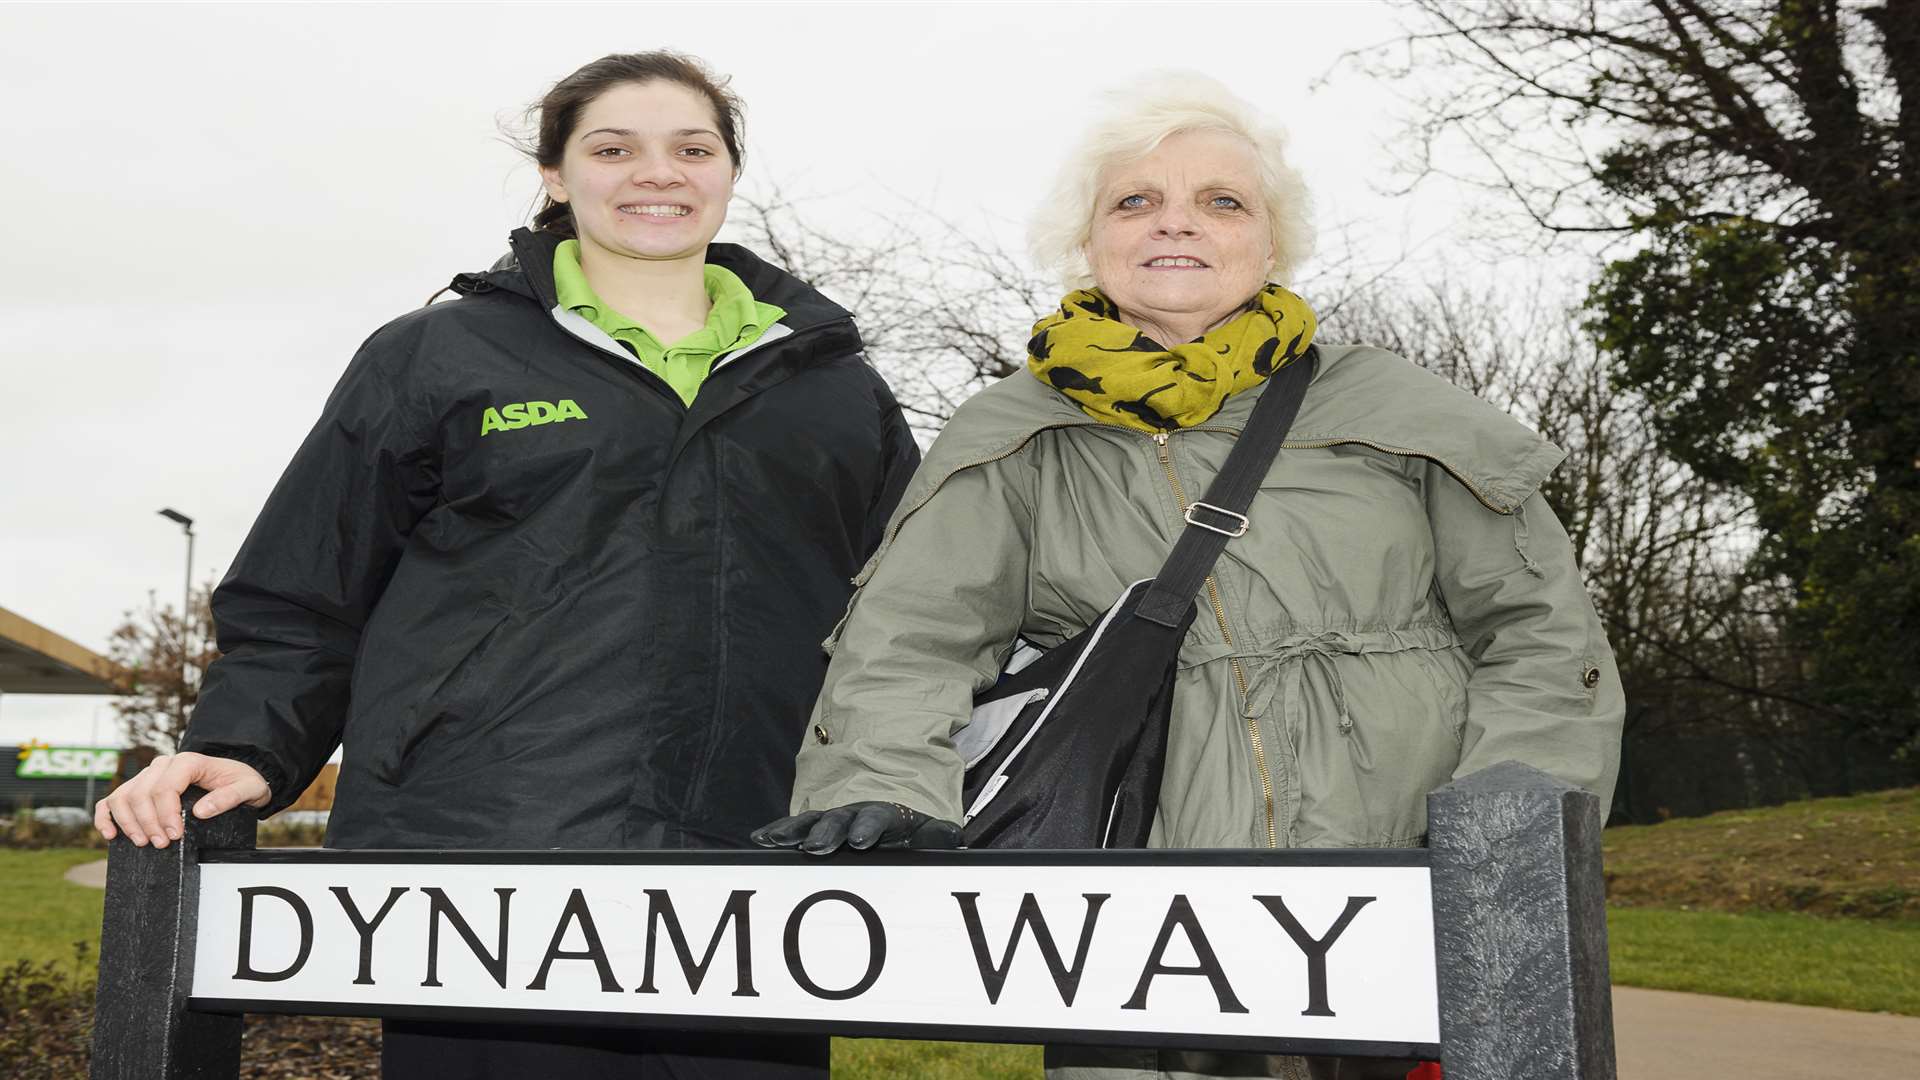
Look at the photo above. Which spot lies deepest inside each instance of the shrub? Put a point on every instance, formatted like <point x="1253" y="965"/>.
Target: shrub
<point x="22" y="830"/>
<point x="46" y="1018"/>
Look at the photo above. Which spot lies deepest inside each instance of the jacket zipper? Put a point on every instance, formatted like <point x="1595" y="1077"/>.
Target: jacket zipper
<point x="611" y="347"/>
<point x="1226" y="634"/>
<point x="649" y="376"/>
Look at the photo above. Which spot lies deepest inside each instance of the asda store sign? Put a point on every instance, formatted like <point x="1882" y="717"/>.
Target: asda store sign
<point x="67" y="763"/>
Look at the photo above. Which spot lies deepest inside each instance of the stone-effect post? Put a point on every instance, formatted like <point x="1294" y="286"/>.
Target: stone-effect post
<point x="1520" y="928"/>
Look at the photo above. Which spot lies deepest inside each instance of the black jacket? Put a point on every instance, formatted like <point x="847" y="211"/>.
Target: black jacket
<point x="600" y="630"/>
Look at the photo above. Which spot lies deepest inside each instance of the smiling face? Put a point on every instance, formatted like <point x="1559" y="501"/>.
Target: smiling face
<point x="645" y="173"/>
<point x="1180" y="237"/>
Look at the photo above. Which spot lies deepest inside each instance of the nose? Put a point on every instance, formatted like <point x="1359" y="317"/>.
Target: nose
<point x="1175" y="221"/>
<point x="654" y="170"/>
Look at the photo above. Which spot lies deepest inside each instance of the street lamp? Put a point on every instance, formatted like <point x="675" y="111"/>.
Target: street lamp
<point x="186" y="601"/>
<point x="186" y="523"/>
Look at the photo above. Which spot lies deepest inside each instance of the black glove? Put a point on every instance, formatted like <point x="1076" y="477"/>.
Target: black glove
<point x="860" y="826"/>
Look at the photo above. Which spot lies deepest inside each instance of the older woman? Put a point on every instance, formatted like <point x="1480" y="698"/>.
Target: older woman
<point x="1405" y="608"/>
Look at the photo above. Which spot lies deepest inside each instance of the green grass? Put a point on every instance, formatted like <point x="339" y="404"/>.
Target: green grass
<point x="1861" y="964"/>
<point x="883" y="1059"/>
<point x="1856" y="856"/>
<point x="1814" y="902"/>
<point x="41" y="914"/>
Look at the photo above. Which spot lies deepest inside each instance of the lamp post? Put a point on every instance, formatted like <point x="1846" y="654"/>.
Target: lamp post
<point x="186" y="602"/>
<point x="93" y="746"/>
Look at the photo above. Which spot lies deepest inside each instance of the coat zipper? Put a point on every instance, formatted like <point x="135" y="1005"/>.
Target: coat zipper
<point x="1226" y="634"/>
<point x="611" y="347"/>
<point x="653" y="378"/>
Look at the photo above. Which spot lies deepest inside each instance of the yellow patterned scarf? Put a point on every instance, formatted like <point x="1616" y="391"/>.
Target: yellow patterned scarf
<point x="1118" y="375"/>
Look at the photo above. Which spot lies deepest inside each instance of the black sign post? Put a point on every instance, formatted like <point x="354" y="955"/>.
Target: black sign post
<point x="1519" y="934"/>
<point x="142" y="1027"/>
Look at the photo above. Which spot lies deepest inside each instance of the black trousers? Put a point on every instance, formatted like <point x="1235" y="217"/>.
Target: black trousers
<point x="1110" y="1063"/>
<point x="431" y="1050"/>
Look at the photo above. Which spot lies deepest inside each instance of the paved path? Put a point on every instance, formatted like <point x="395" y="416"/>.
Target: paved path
<point x="1662" y="1035"/>
<point x="89" y="873"/>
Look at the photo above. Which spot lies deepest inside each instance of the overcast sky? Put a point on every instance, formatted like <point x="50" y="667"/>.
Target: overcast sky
<point x="211" y="206"/>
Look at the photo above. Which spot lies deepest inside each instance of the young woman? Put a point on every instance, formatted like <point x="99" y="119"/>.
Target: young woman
<point x="556" y="560"/>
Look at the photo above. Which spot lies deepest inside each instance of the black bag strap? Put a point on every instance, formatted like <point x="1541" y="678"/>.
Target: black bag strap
<point x="1221" y="514"/>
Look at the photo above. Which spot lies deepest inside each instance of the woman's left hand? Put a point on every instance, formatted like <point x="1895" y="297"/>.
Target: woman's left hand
<point x="860" y="826"/>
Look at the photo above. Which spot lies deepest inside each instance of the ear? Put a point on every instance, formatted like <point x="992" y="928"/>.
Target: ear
<point x="550" y="180"/>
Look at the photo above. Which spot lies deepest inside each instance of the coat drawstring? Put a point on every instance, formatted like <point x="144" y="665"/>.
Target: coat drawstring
<point x="1315" y="649"/>
<point x="1527" y="562"/>
<point x="1324" y="660"/>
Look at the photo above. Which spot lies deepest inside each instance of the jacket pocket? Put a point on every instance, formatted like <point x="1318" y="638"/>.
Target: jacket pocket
<point x="1448" y="670"/>
<point x="1378" y="732"/>
<point x="451" y="692"/>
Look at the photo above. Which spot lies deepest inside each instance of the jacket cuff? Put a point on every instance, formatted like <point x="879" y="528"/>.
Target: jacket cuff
<point x="278" y="797"/>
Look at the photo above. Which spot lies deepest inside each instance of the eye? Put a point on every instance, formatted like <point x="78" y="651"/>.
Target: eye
<point x="697" y="151"/>
<point x="610" y="152"/>
<point x="1225" y="202"/>
<point x="1132" y="202"/>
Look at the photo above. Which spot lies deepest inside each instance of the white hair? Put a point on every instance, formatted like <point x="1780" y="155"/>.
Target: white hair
<point x="1134" y="121"/>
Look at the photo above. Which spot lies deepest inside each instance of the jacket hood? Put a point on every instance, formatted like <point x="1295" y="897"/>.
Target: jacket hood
<point x="527" y="270"/>
<point x="1359" y="394"/>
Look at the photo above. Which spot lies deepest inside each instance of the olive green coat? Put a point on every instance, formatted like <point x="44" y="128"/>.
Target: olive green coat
<point x="1404" y="610"/>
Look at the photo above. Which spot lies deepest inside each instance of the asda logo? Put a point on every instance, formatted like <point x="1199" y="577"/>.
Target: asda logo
<point x="39" y="761"/>
<point x="528" y="414"/>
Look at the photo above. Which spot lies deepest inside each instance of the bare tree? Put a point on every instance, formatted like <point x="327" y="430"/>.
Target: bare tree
<point x="943" y="311"/>
<point x="165" y="658"/>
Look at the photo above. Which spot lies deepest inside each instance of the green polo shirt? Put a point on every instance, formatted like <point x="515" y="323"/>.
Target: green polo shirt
<point x="736" y="321"/>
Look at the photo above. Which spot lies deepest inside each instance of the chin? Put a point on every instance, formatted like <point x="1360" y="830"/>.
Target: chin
<point x="697" y="253"/>
<point x="657" y="248"/>
<point x="1188" y="301"/>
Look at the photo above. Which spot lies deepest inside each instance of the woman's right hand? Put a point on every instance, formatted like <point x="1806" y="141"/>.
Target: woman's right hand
<point x="859" y="826"/>
<point x="147" y="807"/>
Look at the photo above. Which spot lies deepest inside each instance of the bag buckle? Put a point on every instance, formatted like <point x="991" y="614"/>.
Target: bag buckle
<point x="1239" y="530"/>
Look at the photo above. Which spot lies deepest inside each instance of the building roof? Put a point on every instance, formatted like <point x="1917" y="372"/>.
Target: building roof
<point x="35" y="660"/>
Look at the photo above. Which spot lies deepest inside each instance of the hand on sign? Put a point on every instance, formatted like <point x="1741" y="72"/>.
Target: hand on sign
<point x="860" y="826"/>
<point x="147" y="807"/>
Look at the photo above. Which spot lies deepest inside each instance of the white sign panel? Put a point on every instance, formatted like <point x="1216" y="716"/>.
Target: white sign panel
<point x="1226" y="956"/>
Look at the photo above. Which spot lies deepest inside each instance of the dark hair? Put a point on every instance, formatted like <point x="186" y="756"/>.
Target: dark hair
<point x="553" y="118"/>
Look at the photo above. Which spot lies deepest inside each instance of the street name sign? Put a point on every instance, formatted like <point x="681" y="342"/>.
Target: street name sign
<point x="1306" y="952"/>
<point x="1486" y="949"/>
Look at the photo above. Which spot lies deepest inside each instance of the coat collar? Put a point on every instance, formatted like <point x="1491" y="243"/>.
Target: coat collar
<point x="1359" y="394"/>
<point x="527" y="270"/>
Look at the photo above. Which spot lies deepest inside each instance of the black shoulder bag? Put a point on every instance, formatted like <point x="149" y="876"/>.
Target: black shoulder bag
<point x="1067" y="751"/>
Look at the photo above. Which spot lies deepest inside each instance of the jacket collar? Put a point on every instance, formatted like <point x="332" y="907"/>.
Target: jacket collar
<point x="527" y="270"/>
<point x="1359" y="394"/>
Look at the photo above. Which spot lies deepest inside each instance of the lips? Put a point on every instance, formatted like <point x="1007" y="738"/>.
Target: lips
<point x="1175" y="262"/>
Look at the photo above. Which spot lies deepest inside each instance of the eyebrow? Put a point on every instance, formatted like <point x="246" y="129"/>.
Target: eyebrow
<point x="1153" y="185"/>
<point x="628" y="133"/>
